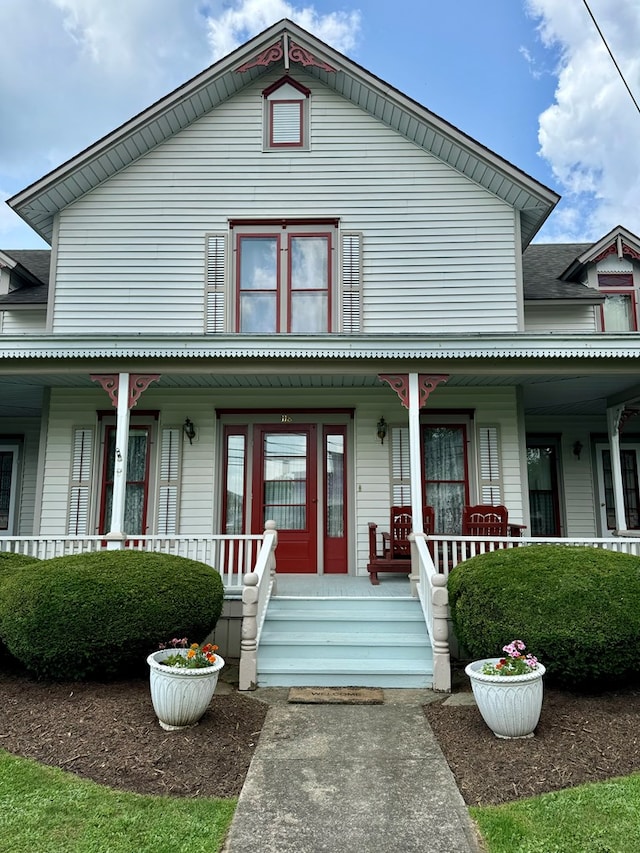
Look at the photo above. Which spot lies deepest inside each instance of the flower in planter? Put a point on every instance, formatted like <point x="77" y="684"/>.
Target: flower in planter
<point x="516" y="662"/>
<point x="197" y="657"/>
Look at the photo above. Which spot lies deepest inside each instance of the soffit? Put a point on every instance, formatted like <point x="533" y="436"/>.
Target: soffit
<point x="39" y="203"/>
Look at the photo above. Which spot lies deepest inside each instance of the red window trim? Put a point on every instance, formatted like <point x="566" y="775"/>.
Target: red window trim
<point x="634" y="308"/>
<point x="615" y="279"/>
<point x="270" y="235"/>
<point x="425" y="481"/>
<point x="292" y="235"/>
<point x="229" y="430"/>
<point x="103" y="522"/>
<point x="300" y="142"/>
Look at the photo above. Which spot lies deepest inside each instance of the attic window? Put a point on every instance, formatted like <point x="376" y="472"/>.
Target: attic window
<point x="286" y="115"/>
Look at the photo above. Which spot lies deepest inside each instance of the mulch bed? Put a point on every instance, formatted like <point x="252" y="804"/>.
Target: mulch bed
<point x="578" y="739"/>
<point x="109" y="733"/>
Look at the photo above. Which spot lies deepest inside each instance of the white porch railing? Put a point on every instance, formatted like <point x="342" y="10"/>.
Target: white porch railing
<point x="448" y="551"/>
<point x="429" y="579"/>
<point x="232" y="556"/>
<point x="258" y="587"/>
<point x="431" y="588"/>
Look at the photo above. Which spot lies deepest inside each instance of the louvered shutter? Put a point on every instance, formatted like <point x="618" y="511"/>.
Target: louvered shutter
<point x="351" y="282"/>
<point x="286" y="123"/>
<point x="80" y="484"/>
<point x="490" y="465"/>
<point x="400" y="466"/>
<point x="216" y="245"/>
<point x="168" y="487"/>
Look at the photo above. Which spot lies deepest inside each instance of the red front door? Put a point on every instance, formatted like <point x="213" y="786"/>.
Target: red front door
<point x="286" y="491"/>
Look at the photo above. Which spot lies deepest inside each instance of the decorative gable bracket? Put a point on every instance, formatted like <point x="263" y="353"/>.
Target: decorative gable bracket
<point x="287" y="51"/>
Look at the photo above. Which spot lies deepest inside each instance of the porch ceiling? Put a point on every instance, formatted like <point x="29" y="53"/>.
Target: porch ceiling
<point x="22" y="395"/>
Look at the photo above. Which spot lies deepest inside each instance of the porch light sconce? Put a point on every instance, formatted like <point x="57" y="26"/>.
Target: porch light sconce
<point x="382" y="429"/>
<point x="189" y="430"/>
<point x="577" y="449"/>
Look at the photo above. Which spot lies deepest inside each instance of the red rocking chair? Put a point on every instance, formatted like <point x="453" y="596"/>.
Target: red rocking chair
<point x="396" y="548"/>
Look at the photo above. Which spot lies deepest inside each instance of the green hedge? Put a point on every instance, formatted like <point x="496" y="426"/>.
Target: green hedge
<point x="99" y="615"/>
<point x="576" y="609"/>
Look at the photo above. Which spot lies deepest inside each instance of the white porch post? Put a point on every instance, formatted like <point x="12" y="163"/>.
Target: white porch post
<point x="614" y="414"/>
<point x="414" y="455"/>
<point x="115" y="537"/>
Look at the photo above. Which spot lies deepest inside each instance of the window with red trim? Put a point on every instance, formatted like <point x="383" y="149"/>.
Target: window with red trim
<point x="618" y="313"/>
<point x="286" y="115"/>
<point x="284" y="275"/>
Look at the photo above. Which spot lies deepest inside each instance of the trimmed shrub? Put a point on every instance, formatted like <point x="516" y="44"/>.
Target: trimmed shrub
<point x="10" y="564"/>
<point x="99" y="615"/>
<point x="577" y="609"/>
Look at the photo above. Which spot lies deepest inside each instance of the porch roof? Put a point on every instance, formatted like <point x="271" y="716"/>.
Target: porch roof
<point x="318" y="348"/>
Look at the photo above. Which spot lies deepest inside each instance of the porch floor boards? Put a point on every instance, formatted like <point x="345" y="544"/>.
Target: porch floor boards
<point x="342" y="586"/>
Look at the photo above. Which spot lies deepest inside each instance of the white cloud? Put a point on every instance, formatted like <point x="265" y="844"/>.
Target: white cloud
<point x="73" y="70"/>
<point x="246" y="18"/>
<point x="590" y="135"/>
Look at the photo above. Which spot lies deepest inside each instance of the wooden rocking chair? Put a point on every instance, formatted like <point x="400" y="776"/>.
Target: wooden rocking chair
<point x="485" y="520"/>
<point x="396" y="548"/>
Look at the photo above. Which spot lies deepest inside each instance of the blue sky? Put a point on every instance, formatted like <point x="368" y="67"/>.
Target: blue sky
<point x="529" y="79"/>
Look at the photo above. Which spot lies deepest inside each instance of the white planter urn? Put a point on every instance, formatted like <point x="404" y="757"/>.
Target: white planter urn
<point x="510" y="704"/>
<point x="180" y="696"/>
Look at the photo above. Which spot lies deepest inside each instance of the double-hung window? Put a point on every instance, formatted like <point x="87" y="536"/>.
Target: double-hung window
<point x="618" y="311"/>
<point x="284" y="277"/>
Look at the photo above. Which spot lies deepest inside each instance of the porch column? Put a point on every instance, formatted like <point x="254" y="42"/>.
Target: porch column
<point x="614" y="416"/>
<point x="115" y="537"/>
<point x="124" y="390"/>
<point x="414" y="455"/>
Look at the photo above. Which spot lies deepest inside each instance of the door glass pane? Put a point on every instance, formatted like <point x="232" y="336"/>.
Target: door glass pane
<point x="285" y="480"/>
<point x="628" y="462"/>
<point x="541" y="462"/>
<point x="136" y="488"/>
<point x="334" y="462"/>
<point x="618" y="313"/>
<point x="258" y="282"/>
<point x="6" y="469"/>
<point x="235" y="474"/>
<point x="445" y="475"/>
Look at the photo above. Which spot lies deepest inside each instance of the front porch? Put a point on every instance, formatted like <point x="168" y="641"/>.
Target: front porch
<point x="326" y="630"/>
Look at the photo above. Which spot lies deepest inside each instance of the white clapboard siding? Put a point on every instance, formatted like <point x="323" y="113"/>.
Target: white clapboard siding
<point x="216" y="245"/>
<point x="440" y="250"/>
<point x="560" y="318"/>
<point x="22" y="322"/>
<point x="489" y="465"/>
<point x="80" y="481"/>
<point x="169" y="481"/>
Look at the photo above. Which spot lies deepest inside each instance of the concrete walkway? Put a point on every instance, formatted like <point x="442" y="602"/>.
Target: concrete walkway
<point x="350" y="779"/>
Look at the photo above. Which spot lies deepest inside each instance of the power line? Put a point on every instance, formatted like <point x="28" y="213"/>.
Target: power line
<point x="613" y="59"/>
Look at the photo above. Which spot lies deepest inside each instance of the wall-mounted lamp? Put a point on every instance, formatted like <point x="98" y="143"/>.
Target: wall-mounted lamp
<point x="577" y="449"/>
<point x="189" y="430"/>
<point x="382" y="429"/>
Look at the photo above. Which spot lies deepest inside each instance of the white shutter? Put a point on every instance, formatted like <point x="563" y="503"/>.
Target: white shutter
<point x="490" y="465"/>
<point x="351" y="282"/>
<point x="168" y="487"/>
<point x="400" y="466"/>
<point x="216" y="245"/>
<point x="286" y="123"/>
<point x="80" y="483"/>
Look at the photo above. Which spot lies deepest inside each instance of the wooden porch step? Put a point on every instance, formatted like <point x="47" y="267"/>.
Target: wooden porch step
<point x="344" y="642"/>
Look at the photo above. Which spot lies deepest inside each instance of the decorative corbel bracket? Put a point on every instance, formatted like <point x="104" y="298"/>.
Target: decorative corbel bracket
<point x="138" y="383"/>
<point x="286" y="51"/>
<point x="400" y="384"/>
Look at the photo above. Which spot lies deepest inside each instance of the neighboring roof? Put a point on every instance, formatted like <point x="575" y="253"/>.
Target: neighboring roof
<point x="543" y="265"/>
<point x="30" y="276"/>
<point x="618" y="242"/>
<point x="38" y="203"/>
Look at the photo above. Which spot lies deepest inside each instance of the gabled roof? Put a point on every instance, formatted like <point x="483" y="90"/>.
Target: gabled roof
<point x="30" y="276"/>
<point x="543" y="265"/>
<point x="618" y="242"/>
<point x="283" y="44"/>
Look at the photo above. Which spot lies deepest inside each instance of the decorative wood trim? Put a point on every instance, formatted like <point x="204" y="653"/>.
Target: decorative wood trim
<point x="138" y="383"/>
<point x="400" y="384"/>
<point x="283" y="81"/>
<point x="275" y="53"/>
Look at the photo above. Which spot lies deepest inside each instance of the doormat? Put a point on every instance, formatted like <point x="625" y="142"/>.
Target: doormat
<point x="336" y="695"/>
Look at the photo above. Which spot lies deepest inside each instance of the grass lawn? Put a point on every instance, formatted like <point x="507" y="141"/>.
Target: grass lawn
<point x="43" y="808"/>
<point x="603" y="817"/>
